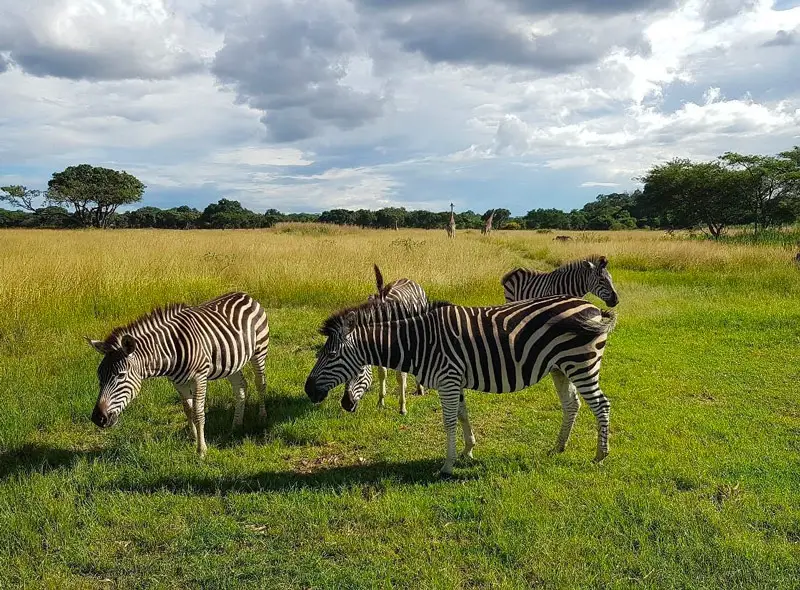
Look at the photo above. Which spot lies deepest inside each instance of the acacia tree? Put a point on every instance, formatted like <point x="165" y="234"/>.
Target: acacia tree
<point x="94" y="192"/>
<point x="20" y="196"/>
<point x="688" y="194"/>
<point x="770" y="181"/>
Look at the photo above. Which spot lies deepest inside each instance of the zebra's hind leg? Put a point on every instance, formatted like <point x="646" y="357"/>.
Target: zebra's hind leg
<point x="185" y="392"/>
<point x="589" y="389"/>
<point x="258" y="363"/>
<point x="402" y="381"/>
<point x="466" y="428"/>
<point x="239" y="385"/>
<point x="382" y="387"/>
<point x="570" y="404"/>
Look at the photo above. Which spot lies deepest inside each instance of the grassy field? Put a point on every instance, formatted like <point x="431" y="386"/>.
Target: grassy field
<point x="701" y="490"/>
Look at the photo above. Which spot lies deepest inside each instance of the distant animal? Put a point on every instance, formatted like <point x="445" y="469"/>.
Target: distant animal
<point x="797" y="258"/>
<point x="189" y="346"/>
<point x="451" y="226"/>
<point x="409" y="296"/>
<point x="499" y="348"/>
<point x="487" y="225"/>
<point x="576" y="278"/>
<point x="562" y="238"/>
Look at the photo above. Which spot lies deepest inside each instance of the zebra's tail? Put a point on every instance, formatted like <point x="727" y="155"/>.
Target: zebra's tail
<point x="378" y="278"/>
<point x="605" y="325"/>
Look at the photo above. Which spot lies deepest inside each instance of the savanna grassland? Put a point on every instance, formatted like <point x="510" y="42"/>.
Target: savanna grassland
<point x="701" y="489"/>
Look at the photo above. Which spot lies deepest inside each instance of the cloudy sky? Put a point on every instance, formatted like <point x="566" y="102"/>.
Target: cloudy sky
<point x="305" y="105"/>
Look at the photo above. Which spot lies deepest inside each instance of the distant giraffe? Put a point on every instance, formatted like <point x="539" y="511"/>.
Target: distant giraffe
<point x="487" y="225"/>
<point x="451" y="227"/>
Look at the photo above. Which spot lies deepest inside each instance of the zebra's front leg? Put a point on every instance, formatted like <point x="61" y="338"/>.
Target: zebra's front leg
<point x="200" y="385"/>
<point x="239" y="385"/>
<point x="185" y="392"/>
<point x="466" y="428"/>
<point x="402" y="380"/>
<point x="570" y="404"/>
<point x="382" y="387"/>
<point x="450" y="409"/>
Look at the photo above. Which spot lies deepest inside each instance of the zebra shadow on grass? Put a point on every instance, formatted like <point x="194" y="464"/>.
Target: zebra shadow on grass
<point x="41" y="458"/>
<point x="281" y="406"/>
<point x="371" y="478"/>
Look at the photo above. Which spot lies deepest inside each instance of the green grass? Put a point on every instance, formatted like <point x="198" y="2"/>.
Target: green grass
<point x="701" y="489"/>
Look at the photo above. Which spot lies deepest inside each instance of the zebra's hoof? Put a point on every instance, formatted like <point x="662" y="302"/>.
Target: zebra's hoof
<point x="446" y="474"/>
<point x="557" y="450"/>
<point x="598" y="458"/>
<point x="403" y="411"/>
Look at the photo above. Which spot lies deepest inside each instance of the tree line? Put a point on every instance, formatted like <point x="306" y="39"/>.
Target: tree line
<point x="734" y="189"/>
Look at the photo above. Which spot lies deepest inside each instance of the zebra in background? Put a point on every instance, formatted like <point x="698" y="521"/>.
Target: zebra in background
<point x="410" y="297"/>
<point x="190" y="346"/>
<point x="501" y="348"/>
<point x="576" y="278"/>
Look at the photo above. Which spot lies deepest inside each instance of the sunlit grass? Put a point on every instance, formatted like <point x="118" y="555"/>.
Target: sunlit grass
<point x="700" y="490"/>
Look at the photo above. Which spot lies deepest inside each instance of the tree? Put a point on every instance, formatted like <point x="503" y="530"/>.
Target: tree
<point x="338" y="217"/>
<point x="687" y="194"/>
<point x="20" y="197"/>
<point x="547" y="219"/>
<point x="771" y="183"/>
<point x="390" y="217"/>
<point x="94" y="192"/>
<point x="228" y="214"/>
<point x="271" y="217"/>
<point x="364" y="218"/>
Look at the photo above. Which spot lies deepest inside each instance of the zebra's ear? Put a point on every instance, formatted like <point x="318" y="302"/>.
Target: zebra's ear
<point x="99" y="345"/>
<point x="588" y="264"/>
<point x="128" y="344"/>
<point x="603" y="262"/>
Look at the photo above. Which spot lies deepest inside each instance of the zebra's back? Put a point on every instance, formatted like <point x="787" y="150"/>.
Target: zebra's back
<point x="231" y="329"/>
<point x="509" y="347"/>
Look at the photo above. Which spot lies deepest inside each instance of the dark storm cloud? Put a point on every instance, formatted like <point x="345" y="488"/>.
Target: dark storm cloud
<point x="715" y="12"/>
<point x="33" y="39"/>
<point x="290" y="63"/>
<point x="783" y="38"/>
<point x="492" y="38"/>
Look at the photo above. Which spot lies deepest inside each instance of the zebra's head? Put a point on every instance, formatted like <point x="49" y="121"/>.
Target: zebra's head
<point x="355" y="389"/>
<point x="338" y="360"/>
<point x="119" y="378"/>
<point x="600" y="283"/>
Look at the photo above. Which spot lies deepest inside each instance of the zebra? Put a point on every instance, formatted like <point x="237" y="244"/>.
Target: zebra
<point x="410" y="296"/>
<point x="576" y="278"/>
<point x="190" y="346"/>
<point x="501" y="348"/>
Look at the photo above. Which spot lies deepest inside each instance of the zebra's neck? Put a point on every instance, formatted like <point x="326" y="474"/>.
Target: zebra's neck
<point x="153" y="354"/>
<point x="400" y="345"/>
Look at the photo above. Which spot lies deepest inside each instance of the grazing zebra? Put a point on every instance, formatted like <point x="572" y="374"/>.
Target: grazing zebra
<point x="576" y="278"/>
<point x="190" y="346"/>
<point x="411" y="297"/>
<point x="501" y="348"/>
<point x="562" y="238"/>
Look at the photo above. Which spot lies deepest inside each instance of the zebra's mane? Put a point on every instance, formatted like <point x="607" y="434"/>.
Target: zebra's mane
<point x="375" y="311"/>
<point x="143" y="324"/>
<point x="566" y="267"/>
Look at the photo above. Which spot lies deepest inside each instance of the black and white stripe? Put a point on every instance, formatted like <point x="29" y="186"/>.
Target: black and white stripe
<point x="190" y="346"/>
<point x="410" y="298"/>
<point x="576" y="278"/>
<point x="500" y="348"/>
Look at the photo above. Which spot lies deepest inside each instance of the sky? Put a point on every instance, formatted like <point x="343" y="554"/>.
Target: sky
<point x="306" y="105"/>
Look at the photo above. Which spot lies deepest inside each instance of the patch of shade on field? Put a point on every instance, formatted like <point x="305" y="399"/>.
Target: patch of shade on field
<point x="700" y="490"/>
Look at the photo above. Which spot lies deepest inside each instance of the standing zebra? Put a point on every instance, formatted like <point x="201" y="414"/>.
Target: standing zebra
<point x="576" y="278"/>
<point x="190" y="346"/>
<point x="411" y="298"/>
<point x="500" y="348"/>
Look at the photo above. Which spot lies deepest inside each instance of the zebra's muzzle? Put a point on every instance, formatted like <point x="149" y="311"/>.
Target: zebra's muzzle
<point x="102" y="419"/>
<point x="314" y="393"/>
<point x="347" y="402"/>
